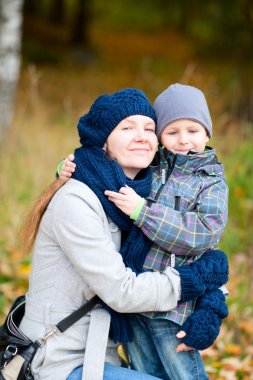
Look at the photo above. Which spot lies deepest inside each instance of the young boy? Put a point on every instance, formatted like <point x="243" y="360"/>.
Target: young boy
<point x="184" y="216"/>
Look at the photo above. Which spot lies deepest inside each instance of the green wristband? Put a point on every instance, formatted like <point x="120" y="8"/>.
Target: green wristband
<point x="135" y="214"/>
<point x="59" y="168"/>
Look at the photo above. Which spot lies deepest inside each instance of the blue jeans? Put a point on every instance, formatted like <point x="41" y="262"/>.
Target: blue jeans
<point x="112" y="372"/>
<point x="153" y="350"/>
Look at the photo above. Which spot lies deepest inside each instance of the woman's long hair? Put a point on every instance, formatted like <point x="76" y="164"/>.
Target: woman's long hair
<point x="31" y="223"/>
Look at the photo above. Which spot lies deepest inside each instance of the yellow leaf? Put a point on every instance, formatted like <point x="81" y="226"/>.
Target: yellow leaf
<point x="122" y="354"/>
<point x="239" y="192"/>
<point x="247" y="326"/>
<point x="233" y="349"/>
<point x="216" y="364"/>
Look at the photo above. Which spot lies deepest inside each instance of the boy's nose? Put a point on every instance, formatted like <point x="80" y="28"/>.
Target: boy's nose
<point x="183" y="139"/>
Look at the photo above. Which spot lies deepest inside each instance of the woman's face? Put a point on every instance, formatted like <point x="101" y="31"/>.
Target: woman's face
<point x="133" y="144"/>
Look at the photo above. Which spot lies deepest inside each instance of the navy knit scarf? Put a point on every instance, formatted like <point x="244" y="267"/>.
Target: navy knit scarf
<point x="101" y="173"/>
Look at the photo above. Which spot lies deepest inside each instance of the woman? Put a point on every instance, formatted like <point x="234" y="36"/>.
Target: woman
<point x="77" y="248"/>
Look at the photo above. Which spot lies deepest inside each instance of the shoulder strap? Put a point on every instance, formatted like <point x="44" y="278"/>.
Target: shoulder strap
<point x="65" y="323"/>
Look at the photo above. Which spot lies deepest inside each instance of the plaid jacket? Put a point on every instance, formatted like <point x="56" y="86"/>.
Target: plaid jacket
<point x="185" y="215"/>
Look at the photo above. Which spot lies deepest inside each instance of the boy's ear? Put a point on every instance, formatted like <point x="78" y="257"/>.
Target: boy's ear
<point x="105" y="146"/>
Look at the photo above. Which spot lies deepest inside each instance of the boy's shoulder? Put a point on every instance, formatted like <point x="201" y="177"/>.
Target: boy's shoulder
<point x="213" y="169"/>
<point x="210" y="164"/>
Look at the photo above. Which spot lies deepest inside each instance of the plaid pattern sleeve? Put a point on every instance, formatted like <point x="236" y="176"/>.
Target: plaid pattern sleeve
<point x="177" y="315"/>
<point x="188" y="232"/>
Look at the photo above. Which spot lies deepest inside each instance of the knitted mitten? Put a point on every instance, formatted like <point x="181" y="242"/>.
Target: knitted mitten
<point x="209" y="272"/>
<point x="203" y="326"/>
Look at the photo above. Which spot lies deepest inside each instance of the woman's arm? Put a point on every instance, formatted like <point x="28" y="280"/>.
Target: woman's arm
<point x="179" y="232"/>
<point x="80" y="228"/>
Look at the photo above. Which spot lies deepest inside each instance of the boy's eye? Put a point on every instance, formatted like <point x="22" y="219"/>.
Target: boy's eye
<point x="172" y="133"/>
<point x="126" y="127"/>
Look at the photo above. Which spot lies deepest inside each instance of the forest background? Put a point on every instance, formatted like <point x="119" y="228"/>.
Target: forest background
<point x="73" y="51"/>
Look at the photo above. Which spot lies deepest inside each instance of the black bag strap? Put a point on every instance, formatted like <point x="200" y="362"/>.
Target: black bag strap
<point x="10" y="332"/>
<point x="65" y="323"/>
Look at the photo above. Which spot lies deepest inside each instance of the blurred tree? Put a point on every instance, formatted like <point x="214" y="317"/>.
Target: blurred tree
<point x="81" y="24"/>
<point x="222" y="31"/>
<point x="57" y="11"/>
<point x="10" y="41"/>
<point x="31" y="6"/>
<point x="179" y="13"/>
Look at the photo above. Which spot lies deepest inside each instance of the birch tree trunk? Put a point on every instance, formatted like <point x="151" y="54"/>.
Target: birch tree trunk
<point x="10" y="58"/>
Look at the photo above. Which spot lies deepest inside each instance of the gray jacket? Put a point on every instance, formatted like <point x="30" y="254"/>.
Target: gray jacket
<point x="76" y="256"/>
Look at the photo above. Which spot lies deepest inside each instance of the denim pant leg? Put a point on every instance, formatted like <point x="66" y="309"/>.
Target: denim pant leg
<point x="185" y="365"/>
<point x="112" y="372"/>
<point x="141" y="349"/>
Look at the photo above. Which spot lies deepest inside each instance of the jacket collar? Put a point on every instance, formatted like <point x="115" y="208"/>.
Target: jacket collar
<point x="192" y="162"/>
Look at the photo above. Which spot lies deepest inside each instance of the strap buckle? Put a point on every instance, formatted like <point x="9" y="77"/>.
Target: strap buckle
<point x="54" y="331"/>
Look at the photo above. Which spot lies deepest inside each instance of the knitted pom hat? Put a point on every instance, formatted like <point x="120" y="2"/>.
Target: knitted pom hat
<point x="108" y="111"/>
<point x="180" y="101"/>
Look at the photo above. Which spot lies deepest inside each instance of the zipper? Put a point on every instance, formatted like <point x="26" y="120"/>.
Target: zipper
<point x="177" y="208"/>
<point x="172" y="260"/>
<point x="177" y="198"/>
<point x="177" y="202"/>
<point x="165" y="176"/>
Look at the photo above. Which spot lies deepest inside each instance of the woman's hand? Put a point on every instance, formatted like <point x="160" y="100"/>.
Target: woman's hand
<point x="68" y="167"/>
<point x="182" y="347"/>
<point x="126" y="199"/>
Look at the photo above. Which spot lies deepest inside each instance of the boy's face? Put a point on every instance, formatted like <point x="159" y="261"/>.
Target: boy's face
<point x="184" y="135"/>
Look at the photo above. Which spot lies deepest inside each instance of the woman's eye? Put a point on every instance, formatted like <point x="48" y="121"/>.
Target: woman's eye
<point x="150" y="130"/>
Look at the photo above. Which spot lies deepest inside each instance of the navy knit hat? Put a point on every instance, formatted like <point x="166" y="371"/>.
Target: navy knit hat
<point x="108" y="111"/>
<point x="181" y="101"/>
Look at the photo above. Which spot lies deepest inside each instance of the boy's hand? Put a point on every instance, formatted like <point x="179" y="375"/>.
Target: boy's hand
<point x="67" y="168"/>
<point x="126" y="199"/>
<point x="182" y="347"/>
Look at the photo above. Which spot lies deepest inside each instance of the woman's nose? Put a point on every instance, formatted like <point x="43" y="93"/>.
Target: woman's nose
<point x="140" y="135"/>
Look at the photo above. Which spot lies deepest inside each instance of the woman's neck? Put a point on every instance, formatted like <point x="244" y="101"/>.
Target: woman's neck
<point x="131" y="172"/>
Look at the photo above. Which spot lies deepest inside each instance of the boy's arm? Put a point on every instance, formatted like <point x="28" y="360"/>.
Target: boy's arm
<point x="66" y="168"/>
<point x="188" y="232"/>
<point x="179" y="232"/>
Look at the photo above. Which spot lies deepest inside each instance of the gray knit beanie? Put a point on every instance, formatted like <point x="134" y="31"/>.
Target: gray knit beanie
<point x="181" y="101"/>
